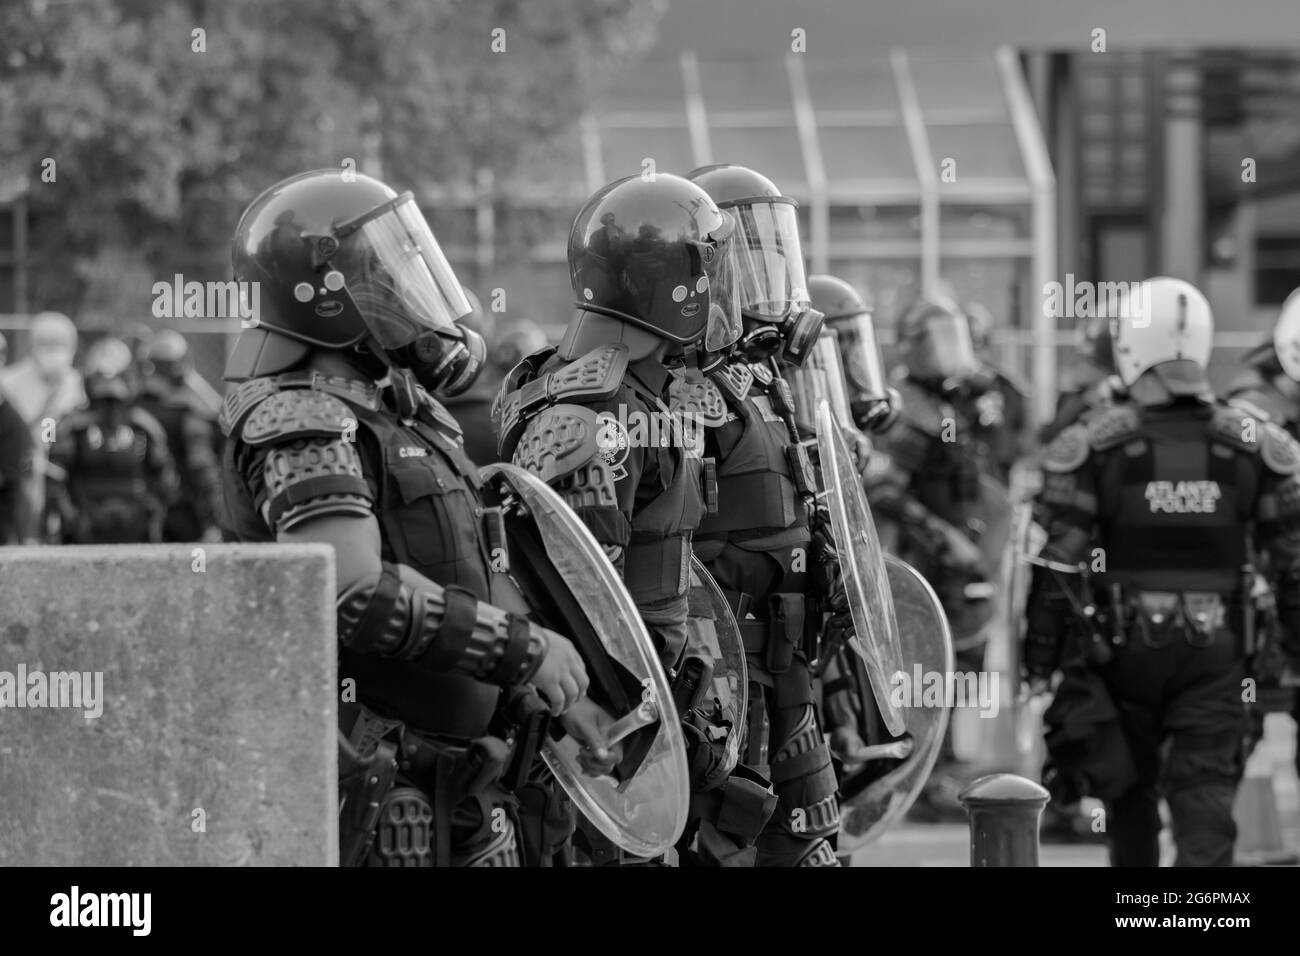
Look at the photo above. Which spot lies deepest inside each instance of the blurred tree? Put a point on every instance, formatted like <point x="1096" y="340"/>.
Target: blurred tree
<point x="163" y="118"/>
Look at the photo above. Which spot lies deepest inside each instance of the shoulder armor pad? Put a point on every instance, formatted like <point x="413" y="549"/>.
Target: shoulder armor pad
<point x="297" y="413"/>
<point x="595" y="377"/>
<point x="239" y="401"/>
<point x="733" y="380"/>
<point x="921" y="410"/>
<point x="1068" y="450"/>
<point x="1113" y="426"/>
<point x="563" y="445"/>
<point x="1278" y="450"/>
<point x="1237" y="424"/>
<point x="761" y="374"/>
<point x="697" y="399"/>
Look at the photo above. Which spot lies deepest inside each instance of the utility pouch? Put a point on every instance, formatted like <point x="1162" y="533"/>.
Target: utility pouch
<point x="787" y="631"/>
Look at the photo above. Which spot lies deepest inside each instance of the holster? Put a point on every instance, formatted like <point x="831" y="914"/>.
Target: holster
<point x="786" y="632"/>
<point x="364" y="780"/>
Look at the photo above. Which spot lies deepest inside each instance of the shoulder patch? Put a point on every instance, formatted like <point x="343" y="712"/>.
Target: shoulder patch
<point x="297" y="413"/>
<point x="594" y="377"/>
<point x="1278" y="450"/>
<point x="239" y="401"/>
<point x="1068" y="450"/>
<point x="570" y="448"/>
<point x="697" y="399"/>
<point x="1113" y="426"/>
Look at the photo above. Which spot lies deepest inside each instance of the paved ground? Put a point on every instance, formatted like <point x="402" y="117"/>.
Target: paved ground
<point x="913" y="844"/>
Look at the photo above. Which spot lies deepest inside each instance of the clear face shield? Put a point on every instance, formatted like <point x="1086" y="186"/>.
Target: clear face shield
<point x="721" y="279"/>
<point x="951" y="352"/>
<point x="860" y="355"/>
<point x="398" y="276"/>
<point x="769" y="260"/>
<point x="820" y="378"/>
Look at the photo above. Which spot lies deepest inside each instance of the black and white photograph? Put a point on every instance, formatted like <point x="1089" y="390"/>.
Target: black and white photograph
<point x="651" y="434"/>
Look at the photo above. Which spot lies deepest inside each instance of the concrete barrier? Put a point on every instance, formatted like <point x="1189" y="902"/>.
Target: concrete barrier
<point x="196" y="692"/>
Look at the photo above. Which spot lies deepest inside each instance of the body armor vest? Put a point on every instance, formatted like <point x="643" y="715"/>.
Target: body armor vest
<point x="109" y="481"/>
<point x="1175" y="503"/>
<point x="430" y="519"/>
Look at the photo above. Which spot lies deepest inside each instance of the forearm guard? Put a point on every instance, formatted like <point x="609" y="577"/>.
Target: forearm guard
<point x="441" y="628"/>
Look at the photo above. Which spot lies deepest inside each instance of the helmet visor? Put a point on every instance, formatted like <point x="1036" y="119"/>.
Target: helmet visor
<point x="863" y="369"/>
<point x="769" y="259"/>
<point x="951" y="350"/>
<point x="723" y="282"/>
<point x="397" y="275"/>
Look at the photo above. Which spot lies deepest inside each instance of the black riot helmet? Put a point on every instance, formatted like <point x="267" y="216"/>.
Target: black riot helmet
<point x="341" y="261"/>
<point x="849" y="316"/>
<point x="654" y="252"/>
<point x="773" y="288"/>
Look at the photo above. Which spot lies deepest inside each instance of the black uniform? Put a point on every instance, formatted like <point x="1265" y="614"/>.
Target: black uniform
<point x="759" y="549"/>
<point x="110" y="475"/>
<point x="641" y="499"/>
<point x="191" y="432"/>
<point x="288" y="445"/>
<point x="1172" y="496"/>
<point x="996" y="406"/>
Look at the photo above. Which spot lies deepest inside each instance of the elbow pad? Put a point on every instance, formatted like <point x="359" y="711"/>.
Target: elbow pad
<point x="441" y="628"/>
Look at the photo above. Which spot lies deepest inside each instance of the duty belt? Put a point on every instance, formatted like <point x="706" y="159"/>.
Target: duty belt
<point x="1159" y="617"/>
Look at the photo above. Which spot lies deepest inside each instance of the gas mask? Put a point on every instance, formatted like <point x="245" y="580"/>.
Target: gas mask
<point x="444" y="363"/>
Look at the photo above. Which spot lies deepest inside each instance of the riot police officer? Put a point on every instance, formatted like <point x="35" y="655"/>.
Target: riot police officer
<point x="1270" y="384"/>
<point x="927" y="480"/>
<point x="997" y="401"/>
<point x="648" y="261"/>
<point x="354" y="292"/>
<point x="191" y="436"/>
<point x="759" y="544"/>
<point x="110" y="476"/>
<point x="1157" y="498"/>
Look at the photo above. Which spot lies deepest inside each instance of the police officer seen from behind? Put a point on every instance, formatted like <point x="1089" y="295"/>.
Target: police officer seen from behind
<point x="191" y="437"/>
<point x="1161" y="499"/>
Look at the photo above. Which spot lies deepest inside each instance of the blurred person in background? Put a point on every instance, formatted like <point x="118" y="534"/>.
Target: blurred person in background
<point x="110" y="477"/>
<point x="44" y="385"/>
<point x="996" y="400"/>
<point x="191" y="430"/>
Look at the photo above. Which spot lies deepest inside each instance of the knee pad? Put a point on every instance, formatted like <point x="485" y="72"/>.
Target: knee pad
<point x="804" y="779"/>
<point x="404" y="836"/>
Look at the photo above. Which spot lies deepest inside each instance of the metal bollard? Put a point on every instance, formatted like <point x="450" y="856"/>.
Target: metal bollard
<point x="1004" y="813"/>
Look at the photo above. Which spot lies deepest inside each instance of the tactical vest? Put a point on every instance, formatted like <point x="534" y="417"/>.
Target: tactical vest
<point x="669" y="501"/>
<point x="1175" y="501"/>
<point x="109" y="481"/>
<point x="430" y="518"/>
<point x="946" y="467"/>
